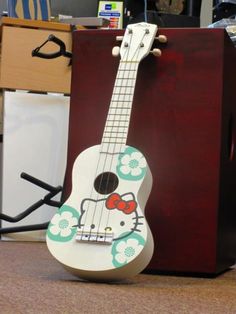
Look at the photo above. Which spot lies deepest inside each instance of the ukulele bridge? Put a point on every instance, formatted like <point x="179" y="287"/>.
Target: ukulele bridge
<point x="95" y="237"/>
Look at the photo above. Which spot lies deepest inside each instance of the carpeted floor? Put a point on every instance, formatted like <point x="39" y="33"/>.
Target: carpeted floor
<point x="31" y="281"/>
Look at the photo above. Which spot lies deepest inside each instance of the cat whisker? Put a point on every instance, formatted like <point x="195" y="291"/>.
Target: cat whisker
<point x="138" y="217"/>
<point x="135" y="229"/>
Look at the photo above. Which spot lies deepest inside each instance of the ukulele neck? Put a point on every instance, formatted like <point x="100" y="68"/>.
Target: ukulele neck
<point x="117" y="123"/>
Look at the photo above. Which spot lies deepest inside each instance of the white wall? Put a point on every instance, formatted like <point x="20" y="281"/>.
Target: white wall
<point x="206" y="12"/>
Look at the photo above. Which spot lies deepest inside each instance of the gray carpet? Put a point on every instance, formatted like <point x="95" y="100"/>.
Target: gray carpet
<point x="31" y="281"/>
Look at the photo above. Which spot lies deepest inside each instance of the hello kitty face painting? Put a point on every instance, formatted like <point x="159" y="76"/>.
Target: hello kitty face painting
<point x="114" y="214"/>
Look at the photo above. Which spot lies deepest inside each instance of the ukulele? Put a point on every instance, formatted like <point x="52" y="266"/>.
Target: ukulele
<point x="100" y="232"/>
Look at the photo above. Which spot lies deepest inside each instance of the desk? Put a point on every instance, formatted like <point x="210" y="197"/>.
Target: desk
<point x="21" y="71"/>
<point x="35" y="126"/>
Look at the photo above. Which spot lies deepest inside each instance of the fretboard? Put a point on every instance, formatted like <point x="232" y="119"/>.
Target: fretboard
<point x="118" y="118"/>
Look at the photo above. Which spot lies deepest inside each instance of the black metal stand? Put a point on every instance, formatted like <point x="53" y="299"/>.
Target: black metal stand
<point x="47" y="200"/>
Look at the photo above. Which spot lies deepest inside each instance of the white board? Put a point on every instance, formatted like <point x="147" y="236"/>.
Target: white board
<point x="35" y="141"/>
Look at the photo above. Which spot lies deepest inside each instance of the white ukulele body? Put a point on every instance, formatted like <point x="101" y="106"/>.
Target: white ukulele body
<point x="100" y="233"/>
<point x="90" y="236"/>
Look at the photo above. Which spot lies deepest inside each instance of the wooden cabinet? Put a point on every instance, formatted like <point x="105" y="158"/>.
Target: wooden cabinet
<point x="19" y="70"/>
<point x="183" y="121"/>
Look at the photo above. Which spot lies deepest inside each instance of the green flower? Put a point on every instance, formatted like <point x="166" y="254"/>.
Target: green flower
<point x="61" y="224"/>
<point x="62" y="227"/>
<point x="132" y="165"/>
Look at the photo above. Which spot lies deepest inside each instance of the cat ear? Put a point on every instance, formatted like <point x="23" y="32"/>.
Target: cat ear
<point x="128" y="197"/>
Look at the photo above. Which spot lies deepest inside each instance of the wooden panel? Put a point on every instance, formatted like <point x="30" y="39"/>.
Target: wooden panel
<point x="37" y="24"/>
<point x="1" y="115"/>
<point x="183" y="105"/>
<point x="19" y="70"/>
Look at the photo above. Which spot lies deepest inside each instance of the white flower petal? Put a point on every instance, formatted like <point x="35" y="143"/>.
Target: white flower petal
<point x="138" y="249"/>
<point x="136" y="155"/>
<point x="142" y="162"/>
<point x="136" y="172"/>
<point x="125" y="160"/>
<point x="55" y="219"/>
<point x="65" y="232"/>
<point x="132" y="242"/>
<point x="54" y="230"/>
<point x="121" y="246"/>
<point x="125" y="169"/>
<point x="121" y="258"/>
<point x="73" y="221"/>
<point x="66" y="215"/>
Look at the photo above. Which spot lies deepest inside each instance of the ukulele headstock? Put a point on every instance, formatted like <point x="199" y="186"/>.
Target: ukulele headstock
<point x="137" y="42"/>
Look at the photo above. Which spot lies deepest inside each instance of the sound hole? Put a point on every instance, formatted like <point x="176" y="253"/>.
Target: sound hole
<point x="106" y="183"/>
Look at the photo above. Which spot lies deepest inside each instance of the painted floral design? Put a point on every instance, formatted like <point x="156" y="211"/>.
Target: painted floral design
<point x="132" y="165"/>
<point x="127" y="249"/>
<point x="62" y="226"/>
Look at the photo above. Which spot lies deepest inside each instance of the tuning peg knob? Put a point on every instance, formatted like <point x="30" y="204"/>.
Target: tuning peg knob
<point x="116" y="51"/>
<point x="119" y="38"/>
<point x="156" y="52"/>
<point x="162" y="39"/>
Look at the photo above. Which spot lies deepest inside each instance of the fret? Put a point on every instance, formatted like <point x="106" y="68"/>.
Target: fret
<point x="117" y="120"/>
<point x="114" y="132"/>
<point x="130" y="76"/>
<point x="119" y="114"/>
<point x="121" y="108"/>
<point x="127" y="75"/>
<point x="124" y="85"/>
<point x="114" y="128"/>
<point x="127" y="70"/>
<point x="123" y="90"/>
<point x="122" y="98"/>
<point x="116" y="124"/>
<point x="123" y="101"/>
<point x="115" y="111"/>
<point x="112" y="148"/>
<point x="129" y="61"/>
<point x="128" y="66"/>
<point x="114" y="137"/>
<point x="133" y="78"/>
<point x="116" y="142"/>
<point x="123" y="94"/>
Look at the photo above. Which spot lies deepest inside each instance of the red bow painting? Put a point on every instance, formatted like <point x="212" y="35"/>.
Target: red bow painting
<point x="116" y="201"/>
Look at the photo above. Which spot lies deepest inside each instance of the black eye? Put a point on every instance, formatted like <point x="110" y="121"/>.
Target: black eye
<point x="122" y="223"/>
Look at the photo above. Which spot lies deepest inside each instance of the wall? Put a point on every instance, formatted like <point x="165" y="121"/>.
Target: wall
<point x="3" y="6"/>
<point x="76" y="8"/>
<point x="70" y="7"/>
<point x="206" y="12"/>
<point x="79" y="8"/>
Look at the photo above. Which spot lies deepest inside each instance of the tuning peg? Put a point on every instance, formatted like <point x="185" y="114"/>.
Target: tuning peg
<point x="119" y="38"/>
<point x="156" y="52"/>
<point x="162" y="39"/>
<point x="116" y="51"/>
